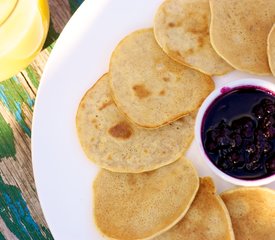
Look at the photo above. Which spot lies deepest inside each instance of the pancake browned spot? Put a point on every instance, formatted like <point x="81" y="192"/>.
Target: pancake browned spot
<point x="111" y="141"/>
<point x="95" y="123"/>
<point x="188" y="41"/>
<point x="121" y="130"/>
<point x="131" y="179"/>
<point x="171" y="24"/>
<point x="104" y="105"/>
<point x="204" y="30"/>
<point x="141" y="91"/>
<point x="139" y="67"/>
<point x="162" y="93"/>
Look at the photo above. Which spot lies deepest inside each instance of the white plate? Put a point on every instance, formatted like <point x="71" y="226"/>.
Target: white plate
<point x="62" y="173"/>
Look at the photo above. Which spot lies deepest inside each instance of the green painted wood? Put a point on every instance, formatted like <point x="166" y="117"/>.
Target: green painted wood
<point x="16" y="215"/>
<point x="13" y="95"/>
<point x="33" y="76"/>
<point x="52" y="35"/>
<point x="7" y="145"/>
<point x="2" y="237"/>
<point x="74" y="4"/>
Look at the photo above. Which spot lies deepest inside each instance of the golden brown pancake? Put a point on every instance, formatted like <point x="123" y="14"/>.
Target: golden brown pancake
<point x="271" y="49"/>
<point x="114" y="143"/>
<point x="141" y="206"/>
<point x="149" y="87"/>
<point x="252" y="211"/>
<point x="207" y="218"/>
<point x="239" y="31"/>
<point x="182" y="31"/>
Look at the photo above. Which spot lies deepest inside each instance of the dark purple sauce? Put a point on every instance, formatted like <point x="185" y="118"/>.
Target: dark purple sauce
<point x="238" y="133"/>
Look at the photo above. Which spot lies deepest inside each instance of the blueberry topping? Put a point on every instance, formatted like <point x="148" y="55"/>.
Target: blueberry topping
<point x="239" y="133"/>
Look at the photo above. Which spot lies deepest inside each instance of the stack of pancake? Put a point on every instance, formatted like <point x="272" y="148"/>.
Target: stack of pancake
<point x="137" y="122"/>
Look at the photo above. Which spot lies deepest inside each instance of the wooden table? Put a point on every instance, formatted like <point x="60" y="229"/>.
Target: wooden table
<point x="20" y="214"/>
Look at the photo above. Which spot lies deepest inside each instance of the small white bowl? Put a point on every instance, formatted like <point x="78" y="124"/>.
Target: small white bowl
<point x="199" y="121"/>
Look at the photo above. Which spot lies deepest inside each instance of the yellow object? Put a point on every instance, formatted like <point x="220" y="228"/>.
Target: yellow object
<point x="23" y="29"/>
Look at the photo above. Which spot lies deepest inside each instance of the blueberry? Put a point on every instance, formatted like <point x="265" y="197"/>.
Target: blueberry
<point x="269" y="132"/>
<point x="246" y="126"/>
<point x="223" y="164"/>
<point x="218" y="137"/>
<point x="267" y="122"/>
<point x="268" y="106"/>
<point x="264" y="146"/>
<point x="210" y="146"/>
<point x="270" y="109"/>
<point x="254" y="162"/>
<point x="238" y="123"/>
<point x="255" y="157"/>
<point x="223" y="125"/>
<point x="248" y="130"/>
<point x="267" y="147"/>
<point x="241" y="162"/>
<point x="236" y="159"/>
<point x="211" y="140"/>
<point x="266" y="102"/>
<point x="252" y="166"/>
<point x="258" y="111"/>
<point x="270" y="165"/>
<point x="223" y="141"/>
<point x="234" y="156"/>
<point x="251" y="148"/>
<point x="223" y="152"/>
<point x="265" y="107"/>
<point x="212" y="135"/>
<point x="259" y="135"/>
<point x="247" y="133"/>
<point x="236" y="140"/>
<point x="223" y="128"/>
<point x="237" y="131"/>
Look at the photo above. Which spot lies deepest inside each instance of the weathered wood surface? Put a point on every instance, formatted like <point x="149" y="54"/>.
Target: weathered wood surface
<point x="20" y="214"/>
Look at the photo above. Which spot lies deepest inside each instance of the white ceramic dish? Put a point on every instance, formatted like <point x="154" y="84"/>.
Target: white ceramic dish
<point x="62" y="173"/>
<point x="199" y="121"/>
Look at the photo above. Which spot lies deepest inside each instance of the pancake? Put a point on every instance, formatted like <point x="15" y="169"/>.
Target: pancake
<point x="149" y="87"/>
<point x="239" y="31"/>
<point x="114" y="143"/>
<point x="252" y="211"/>
<point x="207" y="218"/>
<point x="182" y="31"/>
<point x="271" y="50"/>
<point x="141" y="206"/>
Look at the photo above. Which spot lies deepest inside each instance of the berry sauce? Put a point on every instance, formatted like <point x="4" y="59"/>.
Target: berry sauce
<point x="238" y="133"/>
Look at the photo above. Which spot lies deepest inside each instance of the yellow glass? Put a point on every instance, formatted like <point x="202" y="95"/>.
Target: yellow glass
<point x="23" y="29"/>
